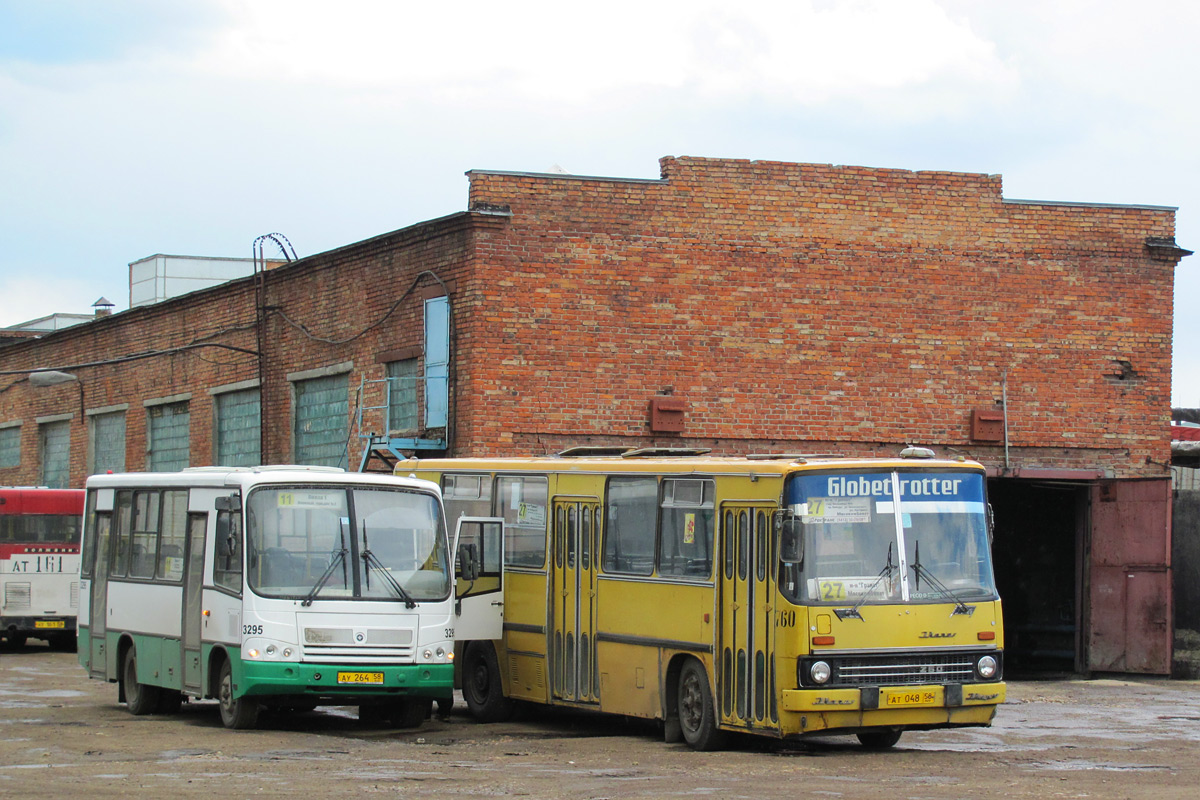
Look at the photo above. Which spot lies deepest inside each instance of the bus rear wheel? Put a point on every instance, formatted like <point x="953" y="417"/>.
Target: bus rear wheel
<point x="237" y="713"/>
<point x="139" y="698"/>
<point x="697" y="714"/>
<point x="879" y="740"/>
<point x="482" y="685"/>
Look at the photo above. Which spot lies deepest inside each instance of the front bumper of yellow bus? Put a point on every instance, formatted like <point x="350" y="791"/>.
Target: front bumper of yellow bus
<point x="913" y="707"/>
<point x="260" y="678"/>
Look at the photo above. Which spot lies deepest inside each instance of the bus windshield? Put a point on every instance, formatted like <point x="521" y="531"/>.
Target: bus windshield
<point x="854" y="546"/>
<point x="346" y="542"/>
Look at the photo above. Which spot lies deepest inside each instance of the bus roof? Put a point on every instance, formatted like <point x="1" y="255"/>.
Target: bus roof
<point x="634" y="462"/>
<point x="40" y="500"/>
<point x="244" y="477"/>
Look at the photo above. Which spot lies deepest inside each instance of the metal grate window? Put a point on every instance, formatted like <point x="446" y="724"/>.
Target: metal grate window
<point x="108" y="442"/>
<point x="403" y="379"/>
<point x="10" y="447"/>
<point x="323" y="421"/>
<point x="169" y="437"/>
<point x="239" y="422"/>
<point x="55" y="440"/>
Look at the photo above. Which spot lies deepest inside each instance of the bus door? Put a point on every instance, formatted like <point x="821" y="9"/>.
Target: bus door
<point x="479" y="603"/>
<point x="746" y="647"/>
<point x="575" y="565"/>
<point x="98" y="608"/>
<point x="193" y="582"/>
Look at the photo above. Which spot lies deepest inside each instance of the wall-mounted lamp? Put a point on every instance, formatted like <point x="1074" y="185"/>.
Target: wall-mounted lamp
<point x="49" y="377"/>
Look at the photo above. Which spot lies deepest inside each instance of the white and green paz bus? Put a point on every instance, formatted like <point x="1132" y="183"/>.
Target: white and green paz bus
<point x="277" y="588"/>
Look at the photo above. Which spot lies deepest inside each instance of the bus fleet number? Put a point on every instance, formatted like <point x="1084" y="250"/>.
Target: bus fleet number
<point x="252" y="630"/>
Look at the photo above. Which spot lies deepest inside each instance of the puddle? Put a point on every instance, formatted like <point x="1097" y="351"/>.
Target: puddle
<point x="1082" y="765"/>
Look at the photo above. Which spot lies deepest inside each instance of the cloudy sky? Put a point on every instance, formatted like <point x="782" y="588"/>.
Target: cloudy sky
<point x="135" y="127"/>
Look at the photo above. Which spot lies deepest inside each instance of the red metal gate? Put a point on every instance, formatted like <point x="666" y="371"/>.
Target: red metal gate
<point x="1129" y="577"/>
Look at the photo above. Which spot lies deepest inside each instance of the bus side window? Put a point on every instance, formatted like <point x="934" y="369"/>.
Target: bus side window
<point x="227" y="571"/>
<point x="122" y="533"/>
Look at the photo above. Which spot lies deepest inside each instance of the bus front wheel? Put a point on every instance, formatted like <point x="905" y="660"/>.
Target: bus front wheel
<point x="697" y="714"/>
<point x="482" y="685"/>
<point x="879" y="740"/>
<point x="237" y="713"/>
<point x="139" y="698"/>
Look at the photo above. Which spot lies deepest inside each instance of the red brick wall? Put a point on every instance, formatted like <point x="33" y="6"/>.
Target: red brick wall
<point x="792" y="306"/>
<point x="809" y="306"/>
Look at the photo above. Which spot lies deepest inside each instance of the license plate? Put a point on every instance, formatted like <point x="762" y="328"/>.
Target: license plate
<point x="49" y="623"/>
<point x="923" y="697"/>
<point x="360" y="677"/>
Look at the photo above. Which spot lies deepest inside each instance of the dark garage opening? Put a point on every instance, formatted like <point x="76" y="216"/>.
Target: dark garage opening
<point x="1038" y="531"/>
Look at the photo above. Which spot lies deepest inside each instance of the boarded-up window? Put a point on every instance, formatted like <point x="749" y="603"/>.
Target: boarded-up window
<point x="403" y="380"/>
<point x="108" y="443"/>
<point x="169" y="438"/>
<point x="55" y="441"/>
<point x="323" y="421"/>
<point x="239" y="420"/>
<point x="10" y="447"/>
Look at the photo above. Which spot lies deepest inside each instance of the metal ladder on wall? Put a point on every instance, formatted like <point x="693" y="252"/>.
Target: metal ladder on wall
<point x="382" y="451"/>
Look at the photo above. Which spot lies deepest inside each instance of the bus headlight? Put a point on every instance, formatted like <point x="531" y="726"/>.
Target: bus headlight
<point x="819" y="672"/>
<point x="986" y="667"/>
<point x="438" y="654"/>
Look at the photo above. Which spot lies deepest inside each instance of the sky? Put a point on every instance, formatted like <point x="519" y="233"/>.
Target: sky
<point x="130" y="128"/>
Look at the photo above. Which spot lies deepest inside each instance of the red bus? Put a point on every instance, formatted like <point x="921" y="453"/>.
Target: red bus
<point x="39" y="564"/>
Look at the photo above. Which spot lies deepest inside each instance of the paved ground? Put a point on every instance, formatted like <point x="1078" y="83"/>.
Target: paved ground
<point x="62" y="734"/>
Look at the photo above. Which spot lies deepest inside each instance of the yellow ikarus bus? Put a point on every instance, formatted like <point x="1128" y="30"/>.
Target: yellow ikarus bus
<point x="784" y="595"/>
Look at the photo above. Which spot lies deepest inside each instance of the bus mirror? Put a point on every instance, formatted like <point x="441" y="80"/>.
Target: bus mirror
<point x="468" y="562"/>
<point x="229" y="502"/>
<point x="791" y="540"/>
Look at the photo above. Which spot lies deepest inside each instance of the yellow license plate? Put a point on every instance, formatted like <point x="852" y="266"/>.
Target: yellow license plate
<point x="924" y="697"/>
<point x="360" y="677"/>
<point x="49" y="623"/>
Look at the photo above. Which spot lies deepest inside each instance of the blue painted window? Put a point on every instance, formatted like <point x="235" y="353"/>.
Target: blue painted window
<point x="10" y="446"/>
<point x="108" y="443"/>
<point x="239" y="423"/>
<point x="55" y="439"/>
<point x="323" y="421"/>
<point x="170" y="444"/>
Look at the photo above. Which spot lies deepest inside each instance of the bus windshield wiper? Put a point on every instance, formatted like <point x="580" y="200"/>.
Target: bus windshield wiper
<point x="852" y="612"/>
<point x="339" y="557"/>
<point x="921" y="572"/>
<point x="372" y="562"/>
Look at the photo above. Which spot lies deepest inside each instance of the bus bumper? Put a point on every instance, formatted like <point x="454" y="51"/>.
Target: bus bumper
<point x="38" y="626"/>
<point x="263" y="678"/>
<point x="911" y="707"/>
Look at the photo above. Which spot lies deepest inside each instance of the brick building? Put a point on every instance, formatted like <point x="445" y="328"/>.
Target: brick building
<point x="742" y="306"/>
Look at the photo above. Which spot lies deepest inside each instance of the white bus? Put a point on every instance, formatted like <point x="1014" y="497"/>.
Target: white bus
<point x="276" y="588"/>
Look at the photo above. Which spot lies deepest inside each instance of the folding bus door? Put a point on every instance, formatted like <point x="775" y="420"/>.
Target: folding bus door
<point x="575" y="565"/>
<point x="746" y="648"/>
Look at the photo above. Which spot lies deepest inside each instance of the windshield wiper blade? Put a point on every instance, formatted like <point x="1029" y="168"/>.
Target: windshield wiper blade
<point x="959" y="606"/>
<point x="339" y="557"/>
<point x="371" y="561"/>
<point x="852" y="612"/>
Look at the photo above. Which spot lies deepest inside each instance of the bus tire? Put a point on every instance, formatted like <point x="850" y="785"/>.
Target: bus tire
<point x="411" y="712"/>
<point x="697" y="714"/>
<point x="238" y="713"/>
<point x="879" y="740"/>
<point x="482" y="687"/>
<point x="140" y="699"/>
